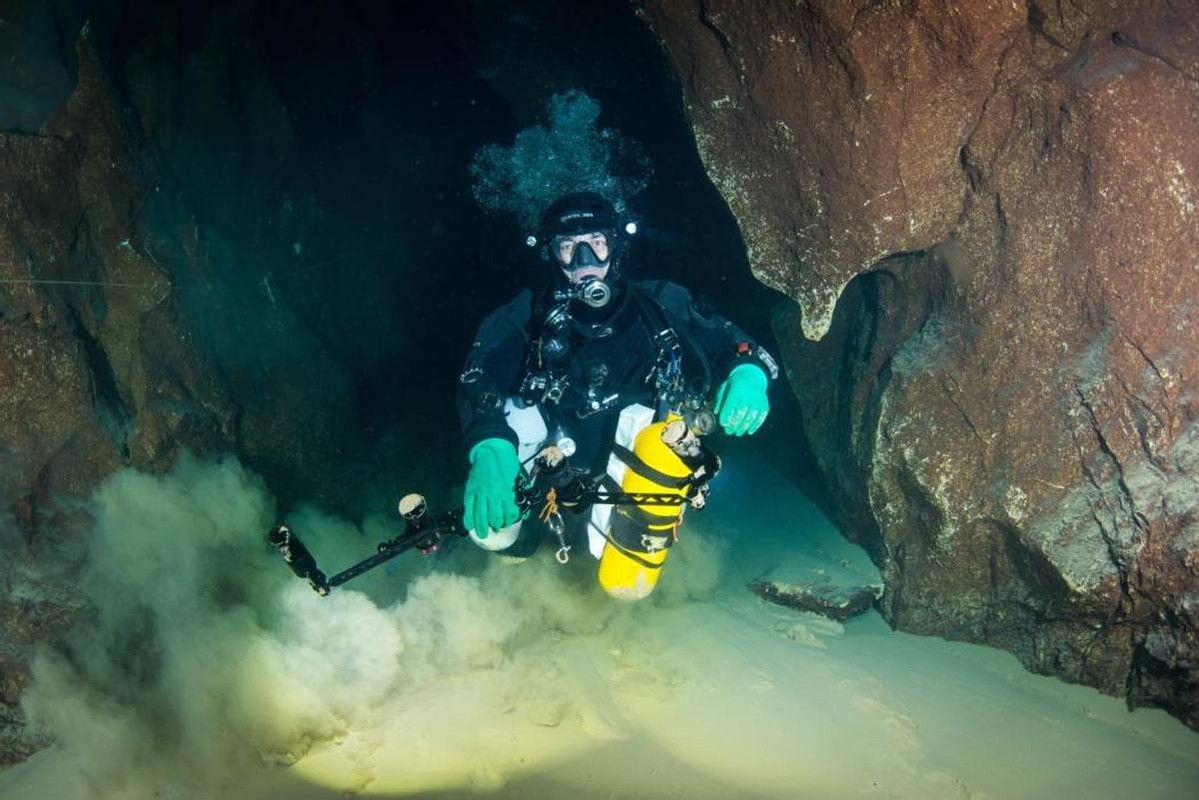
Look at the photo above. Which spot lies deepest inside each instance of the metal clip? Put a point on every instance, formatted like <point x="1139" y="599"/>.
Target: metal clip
<point x="552" y="517"/>
<point x="563" y="552"/>
<point x="558" y="528"/>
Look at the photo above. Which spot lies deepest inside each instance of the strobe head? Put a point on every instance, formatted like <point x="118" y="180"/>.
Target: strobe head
<point x="284" y="539"/>
<point x="412" y="507"/>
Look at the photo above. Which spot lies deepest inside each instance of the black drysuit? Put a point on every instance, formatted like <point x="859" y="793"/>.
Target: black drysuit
<point x="610" y="354"/>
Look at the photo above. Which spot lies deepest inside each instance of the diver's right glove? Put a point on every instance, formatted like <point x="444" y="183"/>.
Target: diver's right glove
<point x="490" y="497"/>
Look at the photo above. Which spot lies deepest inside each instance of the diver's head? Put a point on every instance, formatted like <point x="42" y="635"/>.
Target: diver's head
<point x="583" y="255"/>
<point x="581" y="234"/>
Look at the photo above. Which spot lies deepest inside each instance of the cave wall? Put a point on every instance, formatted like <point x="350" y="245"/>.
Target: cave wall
<point x="132" y="322"/>
<point x="986" y="214"/>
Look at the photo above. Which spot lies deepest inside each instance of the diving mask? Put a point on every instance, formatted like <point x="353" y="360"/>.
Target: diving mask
<point x="581" y="251"/>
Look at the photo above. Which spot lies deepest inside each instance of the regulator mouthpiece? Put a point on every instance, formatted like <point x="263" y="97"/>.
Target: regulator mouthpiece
<point x="594" y="292"/>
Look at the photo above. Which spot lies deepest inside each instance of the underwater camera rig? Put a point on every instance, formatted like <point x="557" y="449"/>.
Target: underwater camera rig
<point x="552" y="484"/>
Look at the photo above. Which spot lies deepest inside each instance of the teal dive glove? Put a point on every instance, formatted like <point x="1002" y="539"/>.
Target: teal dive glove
<point x="490" y="497"/>
<point x="741" y="402"/>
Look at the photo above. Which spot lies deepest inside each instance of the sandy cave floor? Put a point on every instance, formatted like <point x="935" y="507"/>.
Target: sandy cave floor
<point x="715" y="694"/>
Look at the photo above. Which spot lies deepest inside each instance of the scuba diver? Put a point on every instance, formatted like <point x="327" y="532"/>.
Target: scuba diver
<point x="614" y="373"/>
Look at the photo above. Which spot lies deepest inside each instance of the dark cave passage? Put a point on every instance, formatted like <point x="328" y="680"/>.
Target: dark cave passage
<point x="322" y="153"/>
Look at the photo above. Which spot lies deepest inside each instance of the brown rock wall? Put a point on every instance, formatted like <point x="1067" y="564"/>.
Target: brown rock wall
<point x="86" y="313"/>
<point x="876" y="81"/>
<point x="1003" y="199"/>
<point x="107" y="360"/>
<point x="77" y="311"/>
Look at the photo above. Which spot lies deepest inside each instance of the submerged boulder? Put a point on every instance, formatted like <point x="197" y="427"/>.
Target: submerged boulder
<point x="818" y="597"/>
<point x="986" y="214"/>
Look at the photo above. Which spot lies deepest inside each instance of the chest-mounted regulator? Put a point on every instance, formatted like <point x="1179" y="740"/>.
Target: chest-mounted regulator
<point x="548" y="355"/>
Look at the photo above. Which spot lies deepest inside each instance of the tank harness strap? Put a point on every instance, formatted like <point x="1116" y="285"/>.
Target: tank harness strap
<point x="639" y="466"/>
<point x="644" y="519"/>
<point x="666" y="376"/>
<point x="634" y="555"/>
<point x="655" y="299"/>
<point x="608" y="484"/>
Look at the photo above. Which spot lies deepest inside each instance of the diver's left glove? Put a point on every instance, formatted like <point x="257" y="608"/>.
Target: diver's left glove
<point x="490" y="497"/>
<point x="741" y="403"/>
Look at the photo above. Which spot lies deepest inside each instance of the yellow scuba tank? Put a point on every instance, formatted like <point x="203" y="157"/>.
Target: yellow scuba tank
<point x="639" y="536"/>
